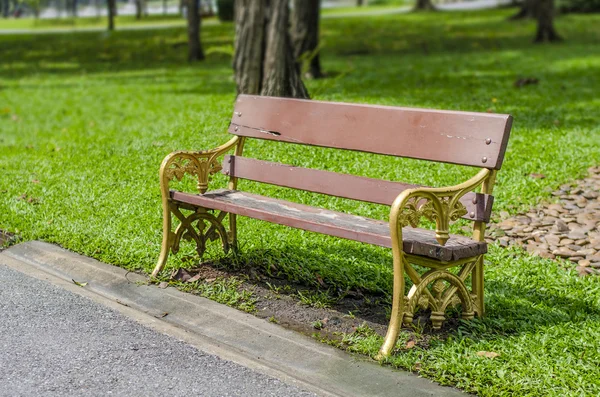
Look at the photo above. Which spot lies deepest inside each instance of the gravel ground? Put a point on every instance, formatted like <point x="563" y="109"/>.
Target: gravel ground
<point x="568" y="229"/>
<point x="55" y="343"/>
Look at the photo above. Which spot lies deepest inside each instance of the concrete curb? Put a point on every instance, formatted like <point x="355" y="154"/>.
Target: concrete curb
<point x="218" y="329"/>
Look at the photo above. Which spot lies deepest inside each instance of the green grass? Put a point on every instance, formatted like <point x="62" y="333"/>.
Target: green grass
<point x="91" y="22"/>
<point x="223" y="290"/>
<point x="86" y="119"/>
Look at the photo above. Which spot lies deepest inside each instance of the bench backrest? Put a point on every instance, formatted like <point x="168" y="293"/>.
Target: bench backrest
<point x="474" y="139"/>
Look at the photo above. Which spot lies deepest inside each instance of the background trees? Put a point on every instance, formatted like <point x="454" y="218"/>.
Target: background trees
<point x="264" y="60"/>
<point x="195" y="52"/>
<point x="305" y="35"/>
<point x="112" y="12"/>
<point x="544" y="12"/>
<point x="424" y="5"/>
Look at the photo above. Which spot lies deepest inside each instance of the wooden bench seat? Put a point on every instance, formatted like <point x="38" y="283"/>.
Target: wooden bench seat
<point x="415" y="241"/>
<point x="470" y="139"/>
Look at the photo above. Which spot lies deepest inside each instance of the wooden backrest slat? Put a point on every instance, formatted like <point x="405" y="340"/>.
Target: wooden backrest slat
<point x="339" y="185"/>
<point x="465" y="138"/>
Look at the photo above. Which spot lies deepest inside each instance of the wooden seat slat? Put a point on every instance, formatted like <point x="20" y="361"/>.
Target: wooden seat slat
<point x="415" y="241"/>
<point x="340" y="185"/>
<point x="465" y="138"/>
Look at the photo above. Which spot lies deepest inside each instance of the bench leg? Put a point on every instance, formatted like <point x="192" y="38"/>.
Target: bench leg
<point x="477" y="285"/>
<point x="167" y="242"/>
<point x="447" y="289"/>
<point x="200" y="226"/>
<point x="232" y="234"/>
<point x="398" y="305"/>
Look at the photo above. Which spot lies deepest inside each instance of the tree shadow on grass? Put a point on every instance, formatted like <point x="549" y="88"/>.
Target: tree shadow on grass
<point x="93" y="52"/>
<point x="511" y="308"/>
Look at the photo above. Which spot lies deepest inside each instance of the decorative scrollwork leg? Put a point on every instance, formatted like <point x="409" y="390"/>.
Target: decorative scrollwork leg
<point x="200" y="226"/>
<point x="440" y="297"/>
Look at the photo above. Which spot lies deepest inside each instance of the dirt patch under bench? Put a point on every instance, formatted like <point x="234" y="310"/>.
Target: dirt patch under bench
<point x="281" y="302"/>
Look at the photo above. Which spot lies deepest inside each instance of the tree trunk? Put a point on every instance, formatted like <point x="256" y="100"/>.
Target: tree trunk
<point x="164" y="3"/>
<point x="138" y="9"/>
<point x="525" y="12"/>
<point x="360" y="3"/>
<point x="112" y="8"/>
<point x="195" y="52"/>
<point x="74" y="8"/>
<point x="305" y="36"/>
<point x="5" y="8"/>
<point x="249" y="45"/>
<point x="544" y="11"/>
<point x="424" y="5"/>
<point x="264" y="57"/>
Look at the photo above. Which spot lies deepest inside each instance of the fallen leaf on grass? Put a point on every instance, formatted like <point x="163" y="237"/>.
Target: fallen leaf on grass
<point x="163" y="285"/>
<point x="526" y="81"/>
<point x="488" y="354"/>
<point x="537" y="176"/>
<point x="194" y="279"/>
<point x="81" y="284"/>
<point x="180" y="275"/>
<point x="320" y="281"/>
<point x="410" y="344"/>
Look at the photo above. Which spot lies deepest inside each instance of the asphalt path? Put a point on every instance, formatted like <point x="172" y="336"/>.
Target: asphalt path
<point x="56" y="343"/>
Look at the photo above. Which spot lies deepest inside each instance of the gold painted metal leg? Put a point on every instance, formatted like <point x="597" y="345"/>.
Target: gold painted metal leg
<point x="477" y="287"/>
<point x="397" y="305"/>
<point x="437" y="320"/>
<point x="232" y="231"/>
<point x="166" y="242"/>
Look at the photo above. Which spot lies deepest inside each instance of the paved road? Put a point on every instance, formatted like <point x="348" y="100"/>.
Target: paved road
<point x="55" y="343"/>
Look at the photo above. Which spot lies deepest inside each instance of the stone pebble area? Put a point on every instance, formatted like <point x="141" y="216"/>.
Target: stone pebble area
<point x="569" y="229"/>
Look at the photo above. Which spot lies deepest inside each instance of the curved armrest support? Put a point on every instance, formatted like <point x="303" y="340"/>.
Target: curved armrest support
<point x="439" y="205"/>
<point x="200" y="164"/>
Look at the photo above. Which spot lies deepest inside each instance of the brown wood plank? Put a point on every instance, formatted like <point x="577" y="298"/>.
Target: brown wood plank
<point x="466" y="138"/>
<point x="352" y="227"/>
<point x="340" y="185"/>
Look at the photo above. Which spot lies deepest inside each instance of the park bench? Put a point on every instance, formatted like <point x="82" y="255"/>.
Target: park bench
<point x="470" y="139"/>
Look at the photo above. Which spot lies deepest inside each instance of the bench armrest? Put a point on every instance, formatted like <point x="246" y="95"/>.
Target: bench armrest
<point x="440" y="205"/>
<point x="200" y="164"/>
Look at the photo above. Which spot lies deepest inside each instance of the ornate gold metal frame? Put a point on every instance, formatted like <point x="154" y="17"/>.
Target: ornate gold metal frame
<point x="202" y="165"/>
<point x="436" y="289"/>
<point x="442" y="206"/>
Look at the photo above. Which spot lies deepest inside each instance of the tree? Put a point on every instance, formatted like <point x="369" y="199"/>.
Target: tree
<point x="5" y="8"/>
<point x="305" y="34"/>
<point x="526" y="10"/>
<point x="138" y="9"/>
<point x="73" y="7"/>
<point x="112" y="10"/>
<point x="544" y="12"/>
<point x="360" y="3"/>
<point x="264" y="59"/>
<point x="424" y="5"/>
<point x="195" y="52"/>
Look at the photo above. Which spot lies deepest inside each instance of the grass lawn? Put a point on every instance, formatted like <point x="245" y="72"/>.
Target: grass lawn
<point x="91" y="22"/>
<point x="129" y="21"/>
<point x="86" y="119"/>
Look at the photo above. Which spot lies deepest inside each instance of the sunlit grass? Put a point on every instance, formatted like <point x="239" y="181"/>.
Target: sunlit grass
<point x="86" y="119"/>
